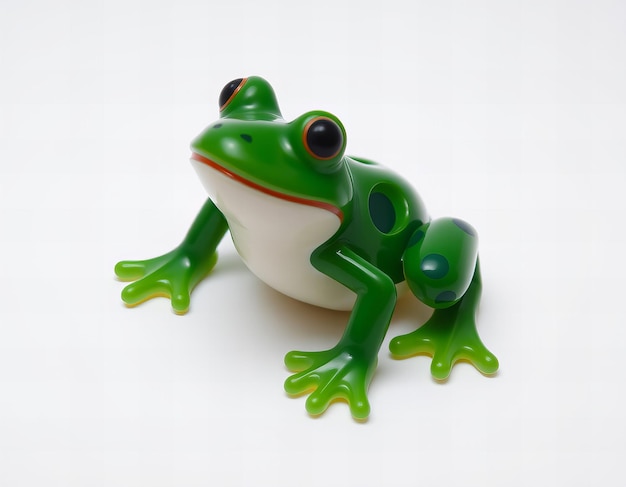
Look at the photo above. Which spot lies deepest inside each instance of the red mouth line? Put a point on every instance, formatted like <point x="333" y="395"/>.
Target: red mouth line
<point x="262" y="189"/>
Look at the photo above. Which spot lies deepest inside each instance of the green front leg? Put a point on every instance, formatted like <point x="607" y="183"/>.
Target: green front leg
<point x="176" y="273"/>
<point x="345" y="371"/>
<point x="449" y="336"/>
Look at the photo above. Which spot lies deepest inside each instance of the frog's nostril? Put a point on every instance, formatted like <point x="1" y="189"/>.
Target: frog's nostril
<point x="217" y="125"/>
<point x="246" y="137"/>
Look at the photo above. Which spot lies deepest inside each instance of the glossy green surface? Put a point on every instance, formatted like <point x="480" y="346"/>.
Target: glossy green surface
<point x="177" y="272"/>
<point x="449" y="336"/>
<point x="384" y="237"/>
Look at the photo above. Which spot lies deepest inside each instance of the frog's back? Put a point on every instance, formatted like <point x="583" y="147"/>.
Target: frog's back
<point x="386" y="211"/>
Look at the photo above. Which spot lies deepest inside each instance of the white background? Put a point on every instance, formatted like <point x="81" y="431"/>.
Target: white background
<point x="510" y="115"/>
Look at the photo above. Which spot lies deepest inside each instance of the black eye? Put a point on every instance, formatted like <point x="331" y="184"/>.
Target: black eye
<point x="323" y="138"/>
<point x="229" y="91"/>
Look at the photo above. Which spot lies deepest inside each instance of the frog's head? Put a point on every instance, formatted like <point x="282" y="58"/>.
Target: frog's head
<point x="301" y="160"/>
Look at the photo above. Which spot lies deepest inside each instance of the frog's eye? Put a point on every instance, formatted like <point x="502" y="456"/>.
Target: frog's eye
<point x="229" y="91"/>
<point x="323" y="138"/>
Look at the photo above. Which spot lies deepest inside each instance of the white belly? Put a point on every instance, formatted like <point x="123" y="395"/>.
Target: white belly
<point x="276" y="237"/>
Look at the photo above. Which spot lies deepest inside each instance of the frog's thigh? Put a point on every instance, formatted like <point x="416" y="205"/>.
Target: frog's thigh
<point x="439" y="261"/>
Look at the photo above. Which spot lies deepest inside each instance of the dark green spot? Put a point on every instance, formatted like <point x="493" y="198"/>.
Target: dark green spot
<point x="466" y="227"/>
<point x="435" y="266"/>
<point x="382" y="212"/>
<point x="246" y="137"/>
<point x="217" y="125"/>
<point x="416" y="237"/>
<point x="446" y="297"/>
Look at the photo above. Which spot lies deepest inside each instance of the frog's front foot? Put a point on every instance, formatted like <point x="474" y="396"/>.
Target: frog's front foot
<point x="173" y="275"/>
<point x="338" y="373"/>
<point x="448" y="336"/>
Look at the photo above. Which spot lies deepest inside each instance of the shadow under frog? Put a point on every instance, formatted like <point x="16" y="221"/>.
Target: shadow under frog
<point x="331" y="230"/>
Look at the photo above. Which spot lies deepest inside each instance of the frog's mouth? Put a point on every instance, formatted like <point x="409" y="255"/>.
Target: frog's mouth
<point x="277" y="194"/>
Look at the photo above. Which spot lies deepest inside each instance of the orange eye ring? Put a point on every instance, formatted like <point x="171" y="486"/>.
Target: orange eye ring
<point x="322" y="138"/>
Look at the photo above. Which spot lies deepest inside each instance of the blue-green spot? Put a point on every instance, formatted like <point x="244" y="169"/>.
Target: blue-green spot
<point x="246" y="137"/>
<point x="435" y="266"/>
<point x="446" y="297"/>
<point x="466" y="227"/>
<point x="382" y="212"/>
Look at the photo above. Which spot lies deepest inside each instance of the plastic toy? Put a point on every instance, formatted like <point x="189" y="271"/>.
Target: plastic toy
<point x="331" y="230"/>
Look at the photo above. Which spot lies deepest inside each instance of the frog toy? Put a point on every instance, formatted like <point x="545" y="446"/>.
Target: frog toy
<point x="330" y="230"/>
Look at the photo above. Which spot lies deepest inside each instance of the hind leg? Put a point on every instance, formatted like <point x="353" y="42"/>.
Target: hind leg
<point x="442" y="270"/>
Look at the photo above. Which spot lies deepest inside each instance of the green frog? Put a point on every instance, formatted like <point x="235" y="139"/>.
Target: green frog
<point x="328" y="229"/>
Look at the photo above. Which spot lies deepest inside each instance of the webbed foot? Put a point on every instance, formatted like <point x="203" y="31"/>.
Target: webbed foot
<point x="173" y="275"/>
<point x="448" y="336"/>
<point x="331" y="375"/>
<point x="176" y="273"/>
